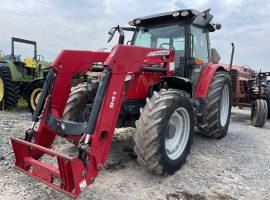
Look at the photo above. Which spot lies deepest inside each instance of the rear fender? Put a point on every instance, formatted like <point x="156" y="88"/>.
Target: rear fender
<point x="206" y="78"/>
<point x="16" y="73"/>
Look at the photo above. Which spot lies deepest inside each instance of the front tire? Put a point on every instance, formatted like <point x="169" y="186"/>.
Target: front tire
<point x="218" y="106"/>
<point x="79" y="103"/>
<point x="33" y="93"/>
<point x="165" y="131"/>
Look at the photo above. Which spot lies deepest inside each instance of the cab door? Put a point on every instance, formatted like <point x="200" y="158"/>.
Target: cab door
<point x="199" y="51"/>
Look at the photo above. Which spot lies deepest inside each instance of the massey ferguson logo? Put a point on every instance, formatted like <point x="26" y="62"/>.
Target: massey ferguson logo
<point x="113" y="100"/>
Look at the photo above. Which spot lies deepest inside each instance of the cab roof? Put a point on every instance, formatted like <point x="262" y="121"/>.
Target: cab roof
<point x="191" y="16"/>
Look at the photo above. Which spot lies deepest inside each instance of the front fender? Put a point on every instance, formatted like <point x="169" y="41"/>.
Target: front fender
<point x="25" y="93"/>
<point x="173" y="82"/>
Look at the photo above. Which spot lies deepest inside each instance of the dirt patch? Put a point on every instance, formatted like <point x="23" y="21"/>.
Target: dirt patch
<point x="115" y="166"/>
<point x="224" y="197"/>
<point x="184" y="195"/>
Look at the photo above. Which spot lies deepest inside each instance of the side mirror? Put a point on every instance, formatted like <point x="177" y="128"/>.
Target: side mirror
<point x="215" y="57"/>
<point x="111" y="34"/>
<point x="203" y="19"/>
<point x="217" y="26"/>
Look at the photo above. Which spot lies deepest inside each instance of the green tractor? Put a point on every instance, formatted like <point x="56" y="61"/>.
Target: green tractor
<point x="21" y="78"/>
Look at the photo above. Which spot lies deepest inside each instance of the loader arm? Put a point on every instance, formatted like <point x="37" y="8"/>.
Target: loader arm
<point x="75" y="173"/>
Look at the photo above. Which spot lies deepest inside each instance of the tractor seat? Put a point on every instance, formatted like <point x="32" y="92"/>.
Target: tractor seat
<point x="30" y="63"/>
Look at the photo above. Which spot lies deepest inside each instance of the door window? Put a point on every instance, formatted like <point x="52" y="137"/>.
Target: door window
<point x="200" y="44"/>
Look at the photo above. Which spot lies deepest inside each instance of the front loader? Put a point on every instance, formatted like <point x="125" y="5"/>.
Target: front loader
<point x="166" y="82"/>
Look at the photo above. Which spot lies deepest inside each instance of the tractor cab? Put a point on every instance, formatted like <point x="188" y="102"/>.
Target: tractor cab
<point x="184" y="31"/>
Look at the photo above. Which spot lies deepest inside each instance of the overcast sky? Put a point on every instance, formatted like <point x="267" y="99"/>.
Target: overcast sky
<point x="83" y="24"/>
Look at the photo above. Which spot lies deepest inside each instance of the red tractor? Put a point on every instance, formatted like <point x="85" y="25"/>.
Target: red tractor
<point x="251" y="90"/>
<point x="166" y="82"/>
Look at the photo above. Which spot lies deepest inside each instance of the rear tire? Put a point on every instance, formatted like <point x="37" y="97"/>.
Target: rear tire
<point x="76" y="109"/>
<point x="33" y="93"/>
<point x="259" y="112"/>
<point x="165" y="131"/>
<point x="218" y="106"/>
<point x="9" y="91"/>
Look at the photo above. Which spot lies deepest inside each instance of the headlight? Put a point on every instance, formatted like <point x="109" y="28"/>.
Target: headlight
<point x="138" y="21"/>
<point x="184" y="13"/>
<point x="175" y="14"/>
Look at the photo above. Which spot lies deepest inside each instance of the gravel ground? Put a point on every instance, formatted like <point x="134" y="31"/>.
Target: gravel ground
<point x="235" y="167"/>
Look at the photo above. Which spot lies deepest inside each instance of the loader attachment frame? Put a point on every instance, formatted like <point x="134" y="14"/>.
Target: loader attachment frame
<point x="65" y="178"/>
<point x="75" y="173"/>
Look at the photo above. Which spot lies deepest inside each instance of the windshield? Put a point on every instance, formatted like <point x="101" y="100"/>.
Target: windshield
<point x="168" y="36"/>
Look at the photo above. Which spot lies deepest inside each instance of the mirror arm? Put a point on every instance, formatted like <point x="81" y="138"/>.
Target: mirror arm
<point x="121" y="30"/>
<point x="121" y="35"/>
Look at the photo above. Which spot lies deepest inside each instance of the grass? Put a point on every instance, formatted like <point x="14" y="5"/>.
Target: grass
<point x="22" y="105"/>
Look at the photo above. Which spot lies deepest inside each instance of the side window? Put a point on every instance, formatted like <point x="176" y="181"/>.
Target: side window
<point x="143" y="39"/>
<point x="200" y="46"/>
<point x="179" y="43"/>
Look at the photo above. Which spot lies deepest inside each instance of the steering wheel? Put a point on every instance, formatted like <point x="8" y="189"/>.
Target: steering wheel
<point x="160" y="46"/>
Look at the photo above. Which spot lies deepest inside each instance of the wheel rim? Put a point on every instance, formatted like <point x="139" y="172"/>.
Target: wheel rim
<point x="1" y="89"/>
<point x="224" y="106"/>
<point x="35" y="97"/>
<point x="178" y="133"/>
